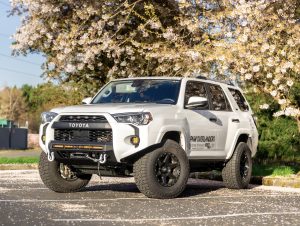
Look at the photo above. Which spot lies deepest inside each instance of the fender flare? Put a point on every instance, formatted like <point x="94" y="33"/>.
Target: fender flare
<point x="184" y="135"/>
<point x="234" y="143"/>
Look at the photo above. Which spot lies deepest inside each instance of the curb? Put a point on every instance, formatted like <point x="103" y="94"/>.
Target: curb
<point x="18" y="166"/>
<point x="291" y="181"/>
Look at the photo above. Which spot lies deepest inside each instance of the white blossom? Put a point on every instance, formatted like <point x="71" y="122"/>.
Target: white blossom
<point x="283" y="70"/>
<point x="244" y="38"/>
<point x="290" y="83"/>
<point x="256" y="68"/>
<point x="275" y="82"/>
<point x="264" y="106"/>
<point x="282" y="101"/>
<point x="291" y="111"/>
<point x="248" y="76"/>
<point x="278" y="113"/>
<point x="281" y="87"/>
<point x="273" y="93"/>
<point x="288" y="65"/>
<point x="70" y="68"/>
<point x="222" y="57"/>
<point x="265" y="47"/>
<point x="169" y="34"/>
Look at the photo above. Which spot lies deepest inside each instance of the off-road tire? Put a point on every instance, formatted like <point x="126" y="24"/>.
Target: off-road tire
<point x="231" y="172"/>
<point x="51" y="177"/>
<point x="146" y="177"/>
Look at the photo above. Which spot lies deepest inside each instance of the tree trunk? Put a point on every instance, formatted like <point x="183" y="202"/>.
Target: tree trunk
<point x="298" y="122"/>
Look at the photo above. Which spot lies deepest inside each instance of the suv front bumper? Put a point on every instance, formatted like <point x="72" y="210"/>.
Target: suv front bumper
<point x="120" y="146"/>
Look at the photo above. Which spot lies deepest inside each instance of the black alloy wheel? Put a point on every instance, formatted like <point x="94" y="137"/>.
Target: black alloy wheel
<point x="167" y="169"/>
<point x="244" y="165"/>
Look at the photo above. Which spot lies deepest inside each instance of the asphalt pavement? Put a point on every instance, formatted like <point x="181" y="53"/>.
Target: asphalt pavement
<point x="24" y="200"/>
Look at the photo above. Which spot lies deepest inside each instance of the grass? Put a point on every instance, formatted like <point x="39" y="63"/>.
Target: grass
<point x="19" y="160"/>
<point x="274" y="170"/>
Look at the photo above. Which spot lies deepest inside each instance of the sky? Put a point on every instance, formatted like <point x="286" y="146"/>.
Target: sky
<point x="16" y="71"/>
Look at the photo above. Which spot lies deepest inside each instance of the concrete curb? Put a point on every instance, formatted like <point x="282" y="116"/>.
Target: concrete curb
<point x="18" y="166"/>
<point x="291" y="181"/>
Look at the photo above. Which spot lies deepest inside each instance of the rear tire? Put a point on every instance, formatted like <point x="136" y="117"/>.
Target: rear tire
<point x="237" y="172"/>
<point x="162" y="173"/>
<point x="52" y="175"/>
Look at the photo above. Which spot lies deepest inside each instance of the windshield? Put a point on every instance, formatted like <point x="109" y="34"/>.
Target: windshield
<point x="139" y="91"/>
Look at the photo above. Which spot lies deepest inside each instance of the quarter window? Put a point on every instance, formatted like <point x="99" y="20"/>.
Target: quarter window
<point x="239" y="99"/>
<point x="219" y="101"/>
<point x="195" y="89"/>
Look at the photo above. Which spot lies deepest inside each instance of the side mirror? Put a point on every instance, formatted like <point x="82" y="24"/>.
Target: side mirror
<point x="197" y="102"/>
<point x="87" y="100"/>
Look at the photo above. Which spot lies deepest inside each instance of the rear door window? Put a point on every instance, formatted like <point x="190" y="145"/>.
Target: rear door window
<point x="239" y="99"/>
<point x="219" y="101"/>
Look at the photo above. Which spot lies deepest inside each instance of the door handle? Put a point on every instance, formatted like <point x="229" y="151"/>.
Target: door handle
<point x="236" y="120"/>
<point x="213" y="119"/>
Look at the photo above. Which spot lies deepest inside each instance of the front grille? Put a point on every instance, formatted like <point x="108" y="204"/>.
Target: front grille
<point x="99" y="136"/>
<point x="83" y="118"/>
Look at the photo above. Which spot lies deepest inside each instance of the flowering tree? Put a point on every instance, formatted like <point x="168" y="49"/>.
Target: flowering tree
<point x="90" y="42"/>
<point x="265" y="53"/>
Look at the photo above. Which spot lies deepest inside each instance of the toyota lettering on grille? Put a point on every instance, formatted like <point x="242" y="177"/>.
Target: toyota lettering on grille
<point x="79" y="125"/>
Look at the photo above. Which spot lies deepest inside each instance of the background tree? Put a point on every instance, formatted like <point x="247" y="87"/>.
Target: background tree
<point x="45" y="97"/>
<point x="12" y="105"/>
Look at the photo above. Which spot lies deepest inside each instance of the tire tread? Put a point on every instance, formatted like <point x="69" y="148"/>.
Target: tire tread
<point x="45" y="170"/>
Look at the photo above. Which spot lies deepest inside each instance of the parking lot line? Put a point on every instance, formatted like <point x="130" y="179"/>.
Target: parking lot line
<point x="21" y="189"/>
<point x="174" y="218"/>
<point x="137" y="198"/>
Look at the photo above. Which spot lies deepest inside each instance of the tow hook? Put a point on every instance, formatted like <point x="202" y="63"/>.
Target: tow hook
<point x="50" y="156"/>
<point x="102" y="158"/>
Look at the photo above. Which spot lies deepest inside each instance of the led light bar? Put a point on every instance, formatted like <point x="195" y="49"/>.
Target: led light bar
<point x="68" y="146"/>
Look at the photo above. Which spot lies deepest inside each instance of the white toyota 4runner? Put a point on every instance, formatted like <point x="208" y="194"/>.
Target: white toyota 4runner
<point x="156" y="129"/>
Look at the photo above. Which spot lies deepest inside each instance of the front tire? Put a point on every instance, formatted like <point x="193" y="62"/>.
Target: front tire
<point x="59" y="177"/>
<point x="237" y="172"/>
<point x="162" y="173"/>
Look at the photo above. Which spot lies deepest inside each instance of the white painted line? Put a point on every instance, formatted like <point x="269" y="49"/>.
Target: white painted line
<point x="175" y="218"/>
<point x="276" y="188"/>
<point x="21" y="189"/>
<point x="141" y="198"/>
<point x="18" y="171"/>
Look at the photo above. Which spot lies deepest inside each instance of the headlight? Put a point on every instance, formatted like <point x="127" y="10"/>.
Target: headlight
<point x="142" y="118"/>
<point x="48" y="116"/>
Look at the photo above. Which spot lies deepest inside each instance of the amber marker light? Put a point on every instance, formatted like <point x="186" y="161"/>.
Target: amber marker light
<point x="135" y="140"/>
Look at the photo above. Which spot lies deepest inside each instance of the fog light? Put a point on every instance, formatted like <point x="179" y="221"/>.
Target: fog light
<point x="44" y="138"/>
<point x="135" y="140"/>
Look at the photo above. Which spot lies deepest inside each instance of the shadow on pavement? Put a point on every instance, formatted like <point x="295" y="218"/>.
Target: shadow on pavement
<point x="197" y="187"/>
<point x="120" y="187"/>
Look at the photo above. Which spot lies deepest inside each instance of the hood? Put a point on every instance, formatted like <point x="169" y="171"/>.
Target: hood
<point x="112" y="108"/>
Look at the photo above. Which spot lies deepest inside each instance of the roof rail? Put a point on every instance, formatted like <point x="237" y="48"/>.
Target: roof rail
<point x="215" y="80"/>
<point x="201" y="77"/>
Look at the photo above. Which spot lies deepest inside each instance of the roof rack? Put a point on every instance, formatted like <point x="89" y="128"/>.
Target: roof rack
<point x="214" y="80"/>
